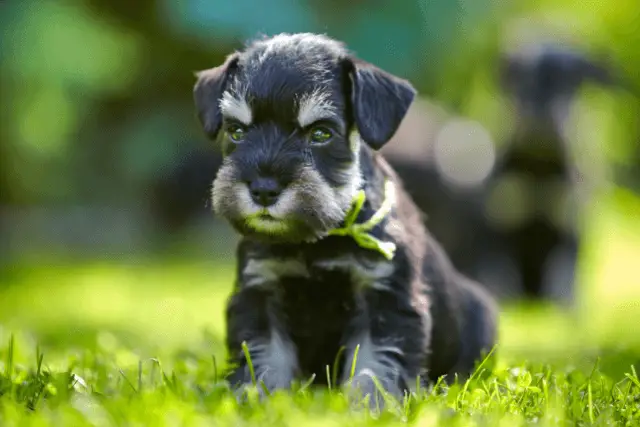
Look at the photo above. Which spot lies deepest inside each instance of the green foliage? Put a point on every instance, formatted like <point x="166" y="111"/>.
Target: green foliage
<point x="62" y="59"/>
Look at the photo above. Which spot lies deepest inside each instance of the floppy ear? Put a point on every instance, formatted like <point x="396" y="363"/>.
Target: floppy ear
<point x="380" y="102"/>
<point x="208" y="91"/>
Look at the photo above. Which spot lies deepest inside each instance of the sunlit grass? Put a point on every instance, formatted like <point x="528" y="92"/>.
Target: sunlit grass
<point x="153" y="303"/>
<point x="106" y="382"/>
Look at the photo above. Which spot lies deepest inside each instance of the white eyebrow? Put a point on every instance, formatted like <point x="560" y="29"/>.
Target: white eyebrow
<point x="314" y="106"/>
<point x="236" y="107"/>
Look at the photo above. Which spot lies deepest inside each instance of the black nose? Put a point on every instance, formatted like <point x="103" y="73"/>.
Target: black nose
<point x="265" y="191"/>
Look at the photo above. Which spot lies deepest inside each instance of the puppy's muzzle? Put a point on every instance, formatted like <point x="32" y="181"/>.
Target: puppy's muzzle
<point x="265" y="190"/>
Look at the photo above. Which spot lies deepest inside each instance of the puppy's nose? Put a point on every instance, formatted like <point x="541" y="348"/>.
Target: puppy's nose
<point x="265" y="191"/>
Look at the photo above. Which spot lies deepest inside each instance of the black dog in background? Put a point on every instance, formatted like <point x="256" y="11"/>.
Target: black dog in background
<point x="506" y="257"/>
<point x="541" y="236"/>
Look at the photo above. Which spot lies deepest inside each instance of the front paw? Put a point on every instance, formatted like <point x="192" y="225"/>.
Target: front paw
<point x="267" y="381"/>
<point x="248" y="392"/>
<point x="367" y="388"/>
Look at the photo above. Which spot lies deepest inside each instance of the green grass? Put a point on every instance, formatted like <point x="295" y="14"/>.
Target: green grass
<point x="104" y="381"/>
<point x="141" y="343"/>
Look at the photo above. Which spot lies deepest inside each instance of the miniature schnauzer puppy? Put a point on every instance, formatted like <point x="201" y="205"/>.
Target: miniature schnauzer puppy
<point x="334" y="257"/>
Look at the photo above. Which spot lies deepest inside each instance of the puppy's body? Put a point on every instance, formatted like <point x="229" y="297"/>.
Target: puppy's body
<point x="301" y="292"/>
<point x="334" y="293"/>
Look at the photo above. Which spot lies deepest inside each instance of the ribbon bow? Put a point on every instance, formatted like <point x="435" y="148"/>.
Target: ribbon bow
<point x="359" y="232"/>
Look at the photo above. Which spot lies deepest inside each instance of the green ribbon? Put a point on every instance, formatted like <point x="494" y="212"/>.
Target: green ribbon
<point x="359" y="232"/>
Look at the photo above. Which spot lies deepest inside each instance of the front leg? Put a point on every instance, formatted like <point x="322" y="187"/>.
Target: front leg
<point x="391" y="334"/>
<point x="253" y="317"/>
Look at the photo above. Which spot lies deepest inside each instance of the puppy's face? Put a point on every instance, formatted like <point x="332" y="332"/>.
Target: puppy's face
<point x="289" y="114"/>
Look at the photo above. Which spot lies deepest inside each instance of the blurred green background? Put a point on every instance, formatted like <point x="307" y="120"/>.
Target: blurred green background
<point x="97" y="105"/>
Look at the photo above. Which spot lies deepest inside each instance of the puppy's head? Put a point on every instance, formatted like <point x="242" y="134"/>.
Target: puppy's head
<point x="544" y="79"/>
<point x="289" y="113"/>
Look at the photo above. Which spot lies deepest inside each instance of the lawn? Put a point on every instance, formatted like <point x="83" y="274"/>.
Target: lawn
<point x="140" y="343"/>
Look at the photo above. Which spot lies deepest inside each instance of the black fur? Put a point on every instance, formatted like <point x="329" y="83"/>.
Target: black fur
<point x="181" y="191"/>
<point x="210" y="85"/>
<point x="380" y="103"/>
<point x="300" y="294"/>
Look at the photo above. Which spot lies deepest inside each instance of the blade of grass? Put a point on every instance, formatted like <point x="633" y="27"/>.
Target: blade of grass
<point x="39" y="359"/>
<point x="353" y="362"/>
<point x="308" y="383"/>
<point x="247" y="356"/>
<point x="127" y="380"/>
<point x="475" y="373"/>
<point x="9" y="364"/>
<point x="633" y="377"/>
<point x="335" y="365"/>
<point x="590" y="404"/>
<point x="215" y="369"/>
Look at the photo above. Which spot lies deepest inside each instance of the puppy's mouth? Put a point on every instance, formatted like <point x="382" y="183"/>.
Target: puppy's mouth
<point x="264" y="214"/>
<point x="271" y="227"/>
<point x="264" y="225"/>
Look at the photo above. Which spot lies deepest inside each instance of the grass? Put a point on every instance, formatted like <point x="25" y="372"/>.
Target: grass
<point x="107" y="382"/>
<point x="141" y="343"/>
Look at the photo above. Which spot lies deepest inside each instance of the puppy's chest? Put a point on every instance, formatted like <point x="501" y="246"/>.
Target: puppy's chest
<point x="318" y="293"/>
<point x="317" y="307"/>
<point x="320" y="305"/>
<point x="318" y="296"/>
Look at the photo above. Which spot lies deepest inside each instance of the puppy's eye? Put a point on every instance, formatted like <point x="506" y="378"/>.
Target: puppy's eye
<point x="236" y="132"/>
<point x="319" y="135"/>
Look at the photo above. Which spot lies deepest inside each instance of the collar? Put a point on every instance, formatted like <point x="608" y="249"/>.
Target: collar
<point x="359" y="232"/>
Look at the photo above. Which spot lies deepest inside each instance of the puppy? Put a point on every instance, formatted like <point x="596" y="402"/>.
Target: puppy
<point x="543" y="82"/>
<point x="334" y="253"/>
